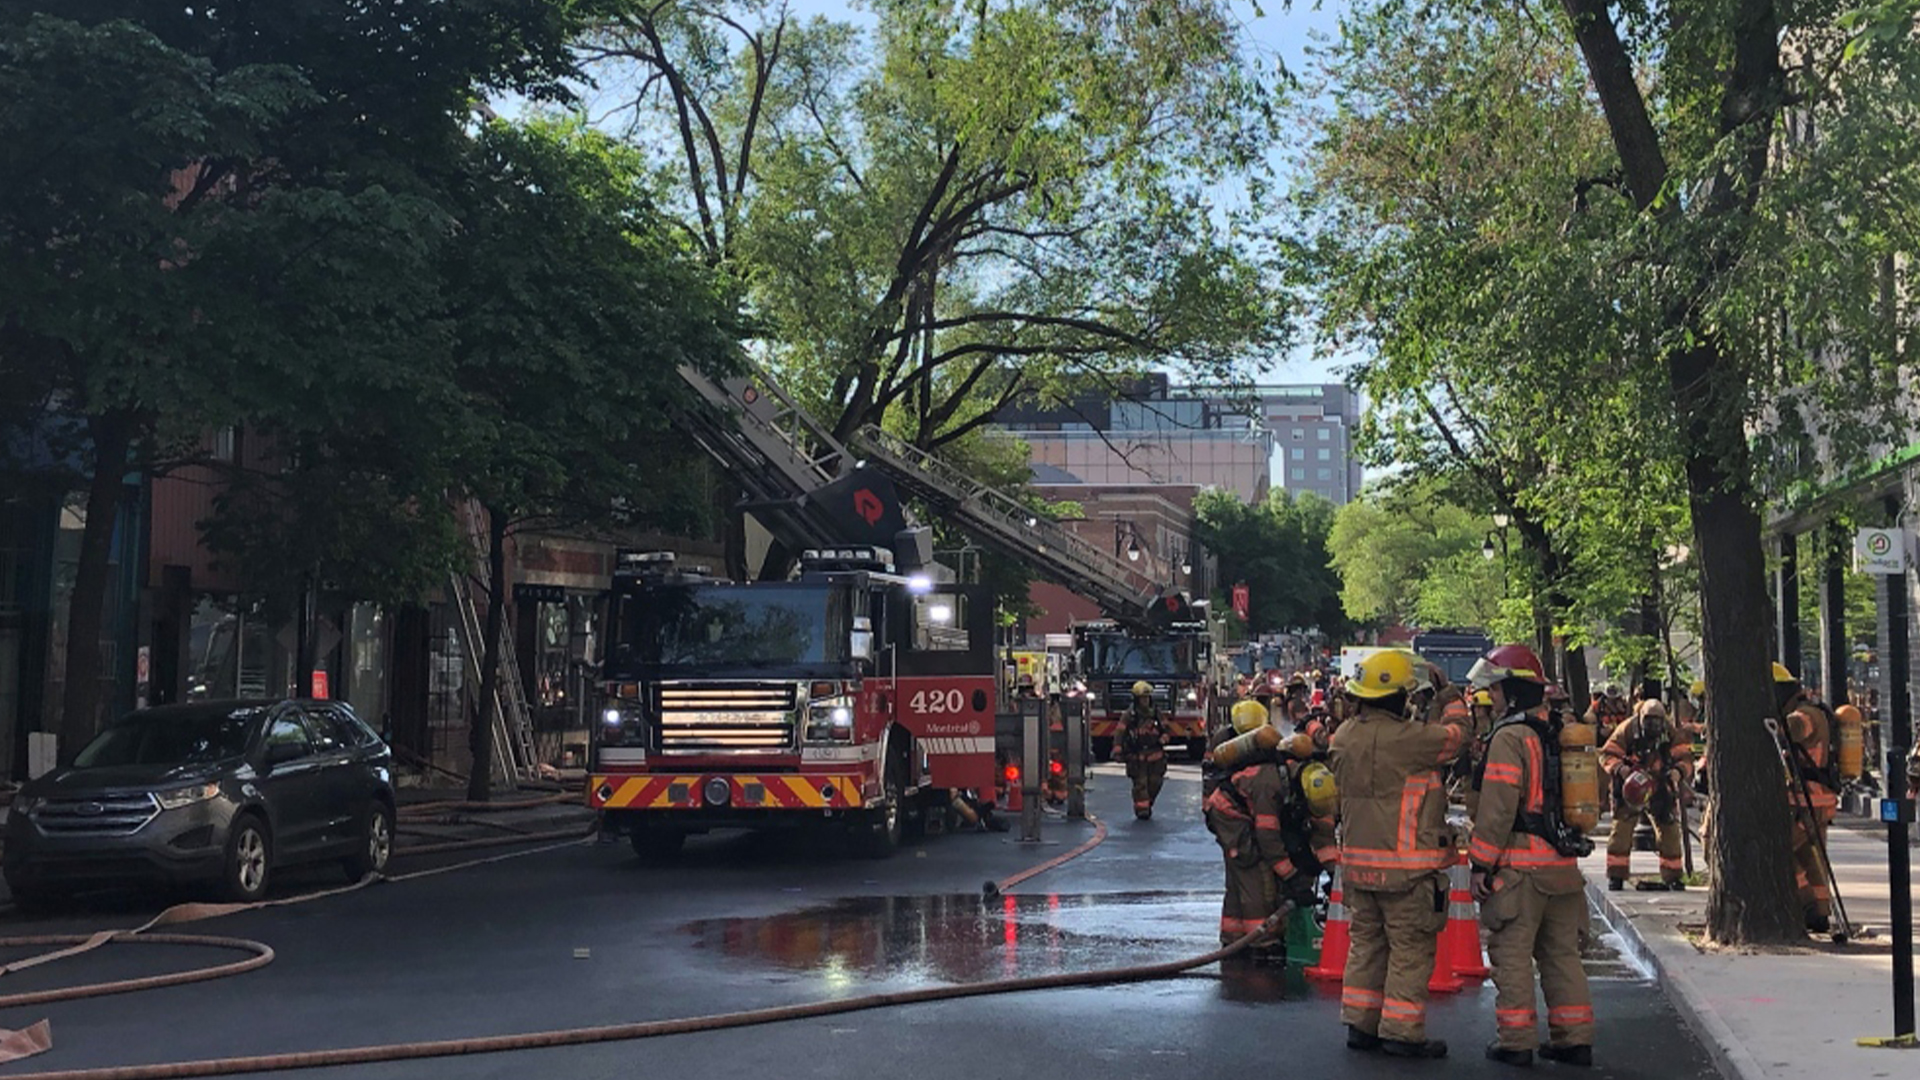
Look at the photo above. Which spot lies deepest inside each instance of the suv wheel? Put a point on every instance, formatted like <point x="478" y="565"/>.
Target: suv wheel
<point x="249" y="860"/>
<point x="376" y="844"/>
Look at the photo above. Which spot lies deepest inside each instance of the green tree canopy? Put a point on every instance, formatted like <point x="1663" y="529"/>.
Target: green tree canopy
<point x="1279" y="550"/>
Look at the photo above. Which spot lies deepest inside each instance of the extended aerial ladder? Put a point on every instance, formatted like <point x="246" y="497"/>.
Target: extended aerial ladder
<point x="784" y="458"/>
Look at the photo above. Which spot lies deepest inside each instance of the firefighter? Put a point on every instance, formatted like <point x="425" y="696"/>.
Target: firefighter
<point x="1525" y="873"/>
<point x="1810" y="733"/>
<point x="1274" y="844"/>
<point x="1394" y="850"/>
<point x="1298" y="707"/>
<point x="1650" y="767"/>
<point x="1143" y="746"/>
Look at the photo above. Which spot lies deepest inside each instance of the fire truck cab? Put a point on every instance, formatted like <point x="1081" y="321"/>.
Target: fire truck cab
<point x="1110" y="659"/>
<point x="849" y="697"/>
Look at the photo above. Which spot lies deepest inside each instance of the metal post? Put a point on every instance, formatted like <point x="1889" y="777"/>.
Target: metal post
<point x="1033" y="766"/>
<point x="1074" y="720"/>
<point x="1897" y="806"/>
<point x="1787" y="596"/>
<point x="1834" y="645"/>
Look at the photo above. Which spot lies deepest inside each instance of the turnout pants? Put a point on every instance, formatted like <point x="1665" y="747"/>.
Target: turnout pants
<point x="1809" y="875"/>
<point x="1528" y="927"/>
<point x="1666" y="835"/>
<point x="1250" y="898"/>
<point x="1395" y="936"/>
<point x="1147" y="777"/>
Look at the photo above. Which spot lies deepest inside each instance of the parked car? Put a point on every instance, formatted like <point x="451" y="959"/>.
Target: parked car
<point x="221" y="793"/>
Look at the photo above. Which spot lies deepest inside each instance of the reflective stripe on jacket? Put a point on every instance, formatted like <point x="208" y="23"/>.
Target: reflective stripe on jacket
<point x="1515" y="783"/>
<point x="1393" y="805"/>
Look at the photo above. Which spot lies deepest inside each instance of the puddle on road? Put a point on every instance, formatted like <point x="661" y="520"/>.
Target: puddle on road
<point x="965" y="938"/>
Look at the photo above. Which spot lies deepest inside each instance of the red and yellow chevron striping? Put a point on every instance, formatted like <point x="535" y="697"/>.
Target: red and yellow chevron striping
<point x="777" y="791"/>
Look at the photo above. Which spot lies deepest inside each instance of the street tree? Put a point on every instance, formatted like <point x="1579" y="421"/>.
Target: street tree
<point x="1701" y="284"/>
<point x="1278" y="548"/>
<point x="961" y="205"/>
<point x="574" y="306"/>
<point x="1398" y="548"/>
<point x="215" y="207"/>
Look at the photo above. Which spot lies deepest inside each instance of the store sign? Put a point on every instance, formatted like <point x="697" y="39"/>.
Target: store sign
<point x="1880" y="551"/>
<point x="524" y="593"/>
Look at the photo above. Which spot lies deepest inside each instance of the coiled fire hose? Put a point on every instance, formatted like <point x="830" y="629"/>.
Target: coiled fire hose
<point x="366" y="1055"/>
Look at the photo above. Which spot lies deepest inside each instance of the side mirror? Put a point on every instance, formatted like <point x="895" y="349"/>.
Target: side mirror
<point x="860" y="641"/>
<point x="281" y="753"/>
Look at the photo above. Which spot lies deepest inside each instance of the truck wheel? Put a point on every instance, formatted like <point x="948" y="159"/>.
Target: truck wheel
<point x="880" y="836"/>
<point x="1102" y="748"/>
<point x="1197" y="749"/>
<point x="657" y="845"/>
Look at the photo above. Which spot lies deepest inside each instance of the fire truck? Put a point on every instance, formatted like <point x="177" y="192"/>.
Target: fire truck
<point x="848" y="697"/>
<point x="1174" y="658"/>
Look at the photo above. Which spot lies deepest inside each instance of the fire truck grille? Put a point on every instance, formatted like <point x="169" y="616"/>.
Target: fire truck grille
<point x="718" y="718"/>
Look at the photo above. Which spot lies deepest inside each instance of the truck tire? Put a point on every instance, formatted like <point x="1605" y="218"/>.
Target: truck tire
<point x="879" y="836"/>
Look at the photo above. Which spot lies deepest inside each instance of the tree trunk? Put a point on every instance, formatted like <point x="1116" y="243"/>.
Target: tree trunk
<point x="1578" y="684"/>
<point x="112" y="436"/>
<point x="1751" y="897"/>
<point x="480" y="734"/>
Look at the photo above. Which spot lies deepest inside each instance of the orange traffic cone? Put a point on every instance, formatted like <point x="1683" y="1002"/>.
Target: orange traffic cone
<point x="1460" y="942"/>
<point x="1337" y="938"/>
<point x="1445" y="980"/>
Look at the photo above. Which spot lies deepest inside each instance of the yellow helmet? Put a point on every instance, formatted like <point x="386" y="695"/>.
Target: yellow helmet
<point x="1317" y="784"/>
<point x="1699" y="688"/>
<point x="1143" y="688"/>
<point x="1248" y="715"/>
<point x="1384" y="674"/>
<point x="1782" y="675"/>
<point x="1483" y="699"/>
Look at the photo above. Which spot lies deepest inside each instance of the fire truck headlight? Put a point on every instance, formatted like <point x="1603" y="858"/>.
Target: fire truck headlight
<point x="830" y="721"/>
<point x="611" y="717"/>
<point x="1193" y="696"/>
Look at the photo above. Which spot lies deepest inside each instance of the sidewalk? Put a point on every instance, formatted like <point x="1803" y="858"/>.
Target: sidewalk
<point x="1792" y="1013"/>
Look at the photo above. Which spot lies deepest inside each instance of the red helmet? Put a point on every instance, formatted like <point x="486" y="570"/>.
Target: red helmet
<point x="1637" y="789"/>
<point x="1507" y="662"/>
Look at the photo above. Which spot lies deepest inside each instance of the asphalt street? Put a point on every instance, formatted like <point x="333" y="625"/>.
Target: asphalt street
<point x="586" y="934"/>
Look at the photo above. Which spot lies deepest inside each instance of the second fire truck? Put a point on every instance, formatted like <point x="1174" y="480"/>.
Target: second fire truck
<point x="1173" y="660"/>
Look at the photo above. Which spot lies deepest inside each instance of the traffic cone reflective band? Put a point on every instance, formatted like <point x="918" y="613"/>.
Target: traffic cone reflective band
<point x="1337" y="938"/>
<point x="1460" y="941"/>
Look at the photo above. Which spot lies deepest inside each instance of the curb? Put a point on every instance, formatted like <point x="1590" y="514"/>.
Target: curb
<point x="1659" y="955"/>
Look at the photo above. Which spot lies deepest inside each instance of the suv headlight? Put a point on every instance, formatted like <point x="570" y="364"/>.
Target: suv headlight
<point x="830" y="720"/>
<point x="186" y="796"/>
<point x="25" y="804"/>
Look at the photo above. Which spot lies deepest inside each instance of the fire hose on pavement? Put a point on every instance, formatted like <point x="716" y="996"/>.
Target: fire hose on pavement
<point x="582" y="1036"/>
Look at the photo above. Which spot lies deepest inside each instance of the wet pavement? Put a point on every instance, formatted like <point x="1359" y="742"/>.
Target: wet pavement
<point x="588" y="934"/>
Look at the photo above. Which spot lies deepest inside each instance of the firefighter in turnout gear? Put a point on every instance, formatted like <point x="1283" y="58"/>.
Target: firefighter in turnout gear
<point x="1274" y="843"/>
<point x="1143" y="746"/>
<point x="1525" y="870"/>
<point x="1647" y="752"/>
<point x="1394" y="851"/>
<point x="1809" y="731"/>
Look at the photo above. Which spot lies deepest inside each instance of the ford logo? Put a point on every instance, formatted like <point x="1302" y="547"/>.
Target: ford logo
<point x="92" y="809"/>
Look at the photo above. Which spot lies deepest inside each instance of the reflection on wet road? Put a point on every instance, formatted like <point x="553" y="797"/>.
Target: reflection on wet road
<point x="965" y="938"/>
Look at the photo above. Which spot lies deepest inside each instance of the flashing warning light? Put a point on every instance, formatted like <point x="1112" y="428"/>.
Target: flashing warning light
<point x="1056" y="768"/>
<point x="1013" y="774"/>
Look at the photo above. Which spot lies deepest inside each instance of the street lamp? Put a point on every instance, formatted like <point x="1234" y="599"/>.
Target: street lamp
<point x="1486" y="549"/>
<point x="1501" y="521"/>
<point x="1133" y="549"/>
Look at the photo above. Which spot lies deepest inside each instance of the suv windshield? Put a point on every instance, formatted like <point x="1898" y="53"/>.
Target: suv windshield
<point x="172" y="737"/>
<point x="733" y="626"/>
<point x="1117" y="654"/>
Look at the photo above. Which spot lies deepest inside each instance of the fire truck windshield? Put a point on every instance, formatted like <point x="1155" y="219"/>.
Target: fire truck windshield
<point x="768" y="626"/>
<point x="1117" y="654"/>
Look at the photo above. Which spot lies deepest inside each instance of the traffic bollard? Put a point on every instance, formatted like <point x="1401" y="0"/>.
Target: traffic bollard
<point x="1033" y="767"/>
<point x="1074" y="720"/>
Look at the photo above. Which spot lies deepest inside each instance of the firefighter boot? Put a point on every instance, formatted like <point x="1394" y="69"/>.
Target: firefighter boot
<point x="1507" y="1056"/>
<point x="1360" y="1040"/>
<point x="1428" y="1048"/>
<point x="1581" y="1056"/>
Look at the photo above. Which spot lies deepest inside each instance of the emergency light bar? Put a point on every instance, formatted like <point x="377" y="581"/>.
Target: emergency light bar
<point x="646" y="558"/>
<point x="865" y="558"/>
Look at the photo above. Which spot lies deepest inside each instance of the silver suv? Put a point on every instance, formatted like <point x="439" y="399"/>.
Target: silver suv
<point x="212" y="792"/>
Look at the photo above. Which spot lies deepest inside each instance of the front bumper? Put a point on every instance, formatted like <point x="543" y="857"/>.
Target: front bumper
<point x="176" y="847"/>
<point x="749" y="793"/>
